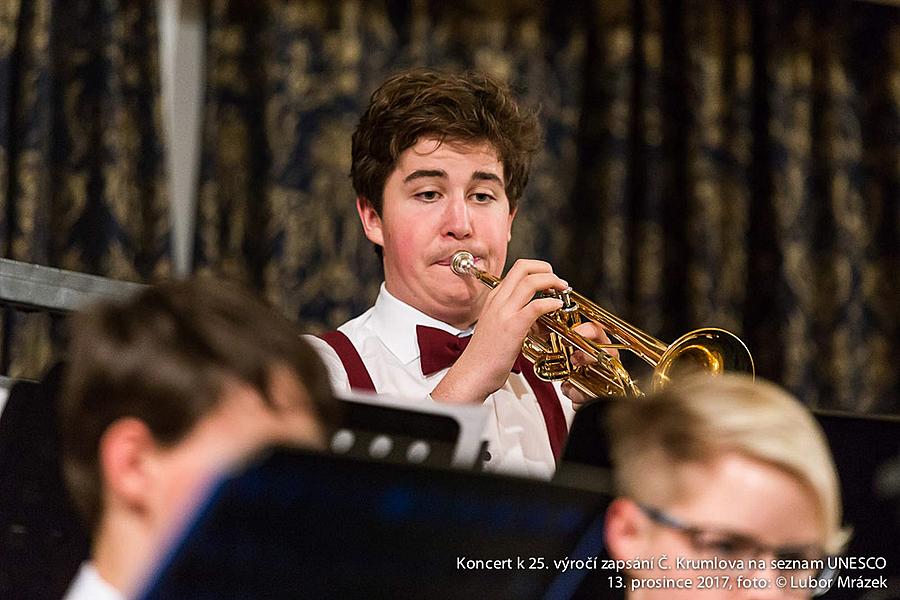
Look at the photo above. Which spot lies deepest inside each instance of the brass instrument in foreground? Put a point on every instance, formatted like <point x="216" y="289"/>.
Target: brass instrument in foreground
<point x="709" y="349"/>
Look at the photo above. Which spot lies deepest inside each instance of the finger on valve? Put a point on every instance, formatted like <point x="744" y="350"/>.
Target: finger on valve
<point x="577" y="397"/>
<point x="595" y="333"/>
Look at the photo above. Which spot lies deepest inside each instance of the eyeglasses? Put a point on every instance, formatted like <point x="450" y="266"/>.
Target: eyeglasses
<point x="802" y="561"/>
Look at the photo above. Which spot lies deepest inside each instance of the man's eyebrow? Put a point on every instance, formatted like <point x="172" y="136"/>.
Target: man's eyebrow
<point x="425" y="173"/>
<point x="486" y="176"/>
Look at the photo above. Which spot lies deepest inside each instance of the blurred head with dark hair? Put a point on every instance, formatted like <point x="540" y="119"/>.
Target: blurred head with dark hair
<point x="166" y="390"/>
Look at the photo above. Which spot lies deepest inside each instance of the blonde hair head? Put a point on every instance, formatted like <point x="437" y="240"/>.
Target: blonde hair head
<point x="701" y="418"/>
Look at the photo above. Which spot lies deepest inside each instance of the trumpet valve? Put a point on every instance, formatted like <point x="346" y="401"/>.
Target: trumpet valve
<point x="553" y="367"/>
<point x="569" y="305"/>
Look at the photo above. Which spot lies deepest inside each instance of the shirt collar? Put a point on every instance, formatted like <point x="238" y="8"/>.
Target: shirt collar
<point x="394" y="322"/>
<point x="90" y="584"/>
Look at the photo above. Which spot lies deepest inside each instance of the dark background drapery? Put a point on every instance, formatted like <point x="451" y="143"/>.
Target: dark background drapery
<point x="706" y="163"/>
<point x="81" y="154"/>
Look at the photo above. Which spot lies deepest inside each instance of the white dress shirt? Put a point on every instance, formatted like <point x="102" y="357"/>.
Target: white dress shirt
<point x="88" y="585"/>
<point x="385" y="337"/>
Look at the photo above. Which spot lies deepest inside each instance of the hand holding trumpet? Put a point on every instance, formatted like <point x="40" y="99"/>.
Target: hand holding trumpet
<point x="509" y="316"/>
<point x="510" y="310"/>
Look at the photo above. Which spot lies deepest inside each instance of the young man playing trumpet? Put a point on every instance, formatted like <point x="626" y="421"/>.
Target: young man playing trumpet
<point x="439" y="162"/>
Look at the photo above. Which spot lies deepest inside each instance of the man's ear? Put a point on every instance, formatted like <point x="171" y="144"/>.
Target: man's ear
<point x="126" y="448"/>
<point x="512" y="216"/>
<point x="625" y="529"/>
<point x="371" y="221"/>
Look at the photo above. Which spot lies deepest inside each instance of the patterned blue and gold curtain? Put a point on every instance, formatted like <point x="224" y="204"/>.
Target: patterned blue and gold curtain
<point x="81" y="150"/>
<point x="706" y="163"/>
<point x="739" y="167"/>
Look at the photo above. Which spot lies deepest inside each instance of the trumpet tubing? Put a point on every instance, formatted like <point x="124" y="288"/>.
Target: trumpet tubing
<point x="709" y="349"/>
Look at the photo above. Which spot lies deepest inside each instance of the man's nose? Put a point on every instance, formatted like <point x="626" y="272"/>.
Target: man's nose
<point x="457" y="220"/>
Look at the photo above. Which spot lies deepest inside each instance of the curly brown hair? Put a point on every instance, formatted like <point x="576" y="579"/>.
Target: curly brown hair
<point x="469" y="107"/>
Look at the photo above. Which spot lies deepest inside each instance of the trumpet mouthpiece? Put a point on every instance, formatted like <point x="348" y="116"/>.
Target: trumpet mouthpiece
<point x="462" y="262"/>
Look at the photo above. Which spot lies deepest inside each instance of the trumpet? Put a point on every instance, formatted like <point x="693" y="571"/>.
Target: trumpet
<point x="709" y="349"/>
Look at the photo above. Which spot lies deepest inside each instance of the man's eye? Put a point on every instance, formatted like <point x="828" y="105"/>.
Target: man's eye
<point x="727" y="548"/>
<point x="483" y="198"/>
<point x="723" y="547"/>
<point x="428" y="196"/>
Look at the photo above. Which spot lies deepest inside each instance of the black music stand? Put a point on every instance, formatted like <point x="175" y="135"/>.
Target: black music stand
<point x="385" y="428"/>
<point x="865" y="449"/>
<point x="44" y="539"/>
<point x="301" y="525"/>
<point x="585" y="461"/>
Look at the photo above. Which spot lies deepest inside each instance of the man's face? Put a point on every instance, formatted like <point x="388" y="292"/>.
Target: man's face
<point x="733" y="504"/>
<point x="441" y="198"/>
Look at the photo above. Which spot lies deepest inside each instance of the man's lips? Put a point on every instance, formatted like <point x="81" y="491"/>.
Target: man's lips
<point x="445" y="262"/>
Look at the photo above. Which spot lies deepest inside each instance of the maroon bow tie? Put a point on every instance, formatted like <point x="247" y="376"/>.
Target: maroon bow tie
<point x="439" y="349"/>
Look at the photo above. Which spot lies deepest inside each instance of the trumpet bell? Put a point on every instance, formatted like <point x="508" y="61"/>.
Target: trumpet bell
<point x="708" y="350"/>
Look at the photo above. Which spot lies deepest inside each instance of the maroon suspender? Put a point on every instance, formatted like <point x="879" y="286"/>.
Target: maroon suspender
<point x="548" y="400"/>
<point x="357" y="373"/>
